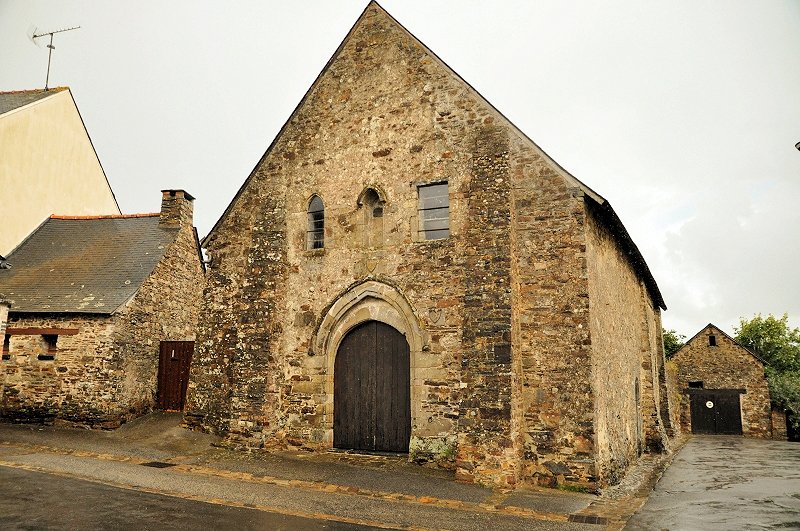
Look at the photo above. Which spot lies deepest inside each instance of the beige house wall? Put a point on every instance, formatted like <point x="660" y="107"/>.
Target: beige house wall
<point x="48" y="166"/>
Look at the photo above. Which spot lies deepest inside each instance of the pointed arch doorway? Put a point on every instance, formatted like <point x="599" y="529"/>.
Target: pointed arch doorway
<point x="372" y="390"/>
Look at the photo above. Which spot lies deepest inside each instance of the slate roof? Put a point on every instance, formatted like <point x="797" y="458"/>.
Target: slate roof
<point x="84" y="264"/>
<point x="16" y="99"/>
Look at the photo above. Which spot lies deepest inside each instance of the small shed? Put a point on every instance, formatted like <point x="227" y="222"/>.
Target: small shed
<point x="724" y="386"/>
<point x="100" y="319"/>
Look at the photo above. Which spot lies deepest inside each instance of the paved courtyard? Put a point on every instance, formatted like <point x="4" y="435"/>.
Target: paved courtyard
<point x="726" y="482"/>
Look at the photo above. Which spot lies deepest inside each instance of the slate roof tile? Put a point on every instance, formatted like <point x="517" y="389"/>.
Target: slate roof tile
<point x="84" y="265"/>
<point x="19" y="98"/>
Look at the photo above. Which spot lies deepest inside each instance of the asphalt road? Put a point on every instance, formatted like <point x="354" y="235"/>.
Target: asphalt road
<point x="58" y="478"/>
<point x="730" y="483"/>
<point x="36" y="500"/>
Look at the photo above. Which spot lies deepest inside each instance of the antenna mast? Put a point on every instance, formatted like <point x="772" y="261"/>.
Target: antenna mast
<point x="51" y="47"/>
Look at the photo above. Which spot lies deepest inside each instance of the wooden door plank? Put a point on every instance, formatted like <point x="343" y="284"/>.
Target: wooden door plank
<point x="173" y="374"/>
<point x="729" y="415"/>
<point x="372" y="389"/>
<point x="703" y="417"/>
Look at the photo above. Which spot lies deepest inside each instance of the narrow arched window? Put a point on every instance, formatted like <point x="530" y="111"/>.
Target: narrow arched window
<point x="373" y="219"/>
<point x="315" y="236"/>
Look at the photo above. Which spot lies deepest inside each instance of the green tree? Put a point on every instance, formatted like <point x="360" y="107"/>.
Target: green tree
<point x="772" y="339"/>
<point x="779" y="346"/>
<point x="673" y="341"/>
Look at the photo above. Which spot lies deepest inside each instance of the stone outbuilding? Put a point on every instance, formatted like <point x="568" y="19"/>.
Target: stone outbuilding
<point x="404" y="270"/>
<point x="102" y="318"/>
<point x="724" y="388"/>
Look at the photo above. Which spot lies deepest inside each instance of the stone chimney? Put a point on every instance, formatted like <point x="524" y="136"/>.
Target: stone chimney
<point x="176" y="208"/>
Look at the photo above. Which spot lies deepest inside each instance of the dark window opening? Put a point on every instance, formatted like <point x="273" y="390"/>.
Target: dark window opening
<point x="712" y="340"/>
<point x="315" y="236"/>
<point x="697" y="384"/>
<point x="434" y="211"/>
<point x="7" y="347"/>
<point x="373" y="222"/>
<point x="50" y="341"/>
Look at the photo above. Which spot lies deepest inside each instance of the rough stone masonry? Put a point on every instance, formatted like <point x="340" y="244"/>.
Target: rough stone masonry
<point x="101" y="367"/>
<point x="533" y="325"/>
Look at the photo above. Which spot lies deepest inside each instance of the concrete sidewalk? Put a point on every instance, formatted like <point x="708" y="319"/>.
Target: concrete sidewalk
<point x="383" y="491"/>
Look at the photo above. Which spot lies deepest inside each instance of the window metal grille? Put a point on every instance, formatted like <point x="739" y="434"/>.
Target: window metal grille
<point x="315" y="236"/>
<point x="434" y="211"/>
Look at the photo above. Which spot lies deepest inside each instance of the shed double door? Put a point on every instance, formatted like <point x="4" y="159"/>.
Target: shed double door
<point x="372" y="390"/>
<point x="174" y="360"/>
<point x="716" y="412"/>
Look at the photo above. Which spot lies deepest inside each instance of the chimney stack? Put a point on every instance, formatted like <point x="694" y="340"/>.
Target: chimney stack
<point x="176" y="208"/>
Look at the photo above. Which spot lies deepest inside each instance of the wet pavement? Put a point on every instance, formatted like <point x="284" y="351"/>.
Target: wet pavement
<point x="35" y="500"/>
<point x="726" y="482"/>
<point x="203" y="483"/>
<point x="153" y="474"/>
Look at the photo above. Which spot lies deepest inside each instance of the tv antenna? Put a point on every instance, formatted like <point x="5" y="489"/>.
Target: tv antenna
<point x="34" y="35"/>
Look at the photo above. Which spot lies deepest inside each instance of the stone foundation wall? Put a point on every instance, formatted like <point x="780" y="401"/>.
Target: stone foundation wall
<point x="726" y="366"/>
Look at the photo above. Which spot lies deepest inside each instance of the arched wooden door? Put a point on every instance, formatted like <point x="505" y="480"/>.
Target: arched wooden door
<point x="372" y="390"/>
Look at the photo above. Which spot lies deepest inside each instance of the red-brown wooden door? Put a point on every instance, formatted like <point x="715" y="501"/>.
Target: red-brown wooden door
<point x="174" y="361"/>
<point x="372" y="390"/>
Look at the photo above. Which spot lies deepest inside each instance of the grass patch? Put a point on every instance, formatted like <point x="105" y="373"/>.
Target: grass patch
<point x="571" y="487"/>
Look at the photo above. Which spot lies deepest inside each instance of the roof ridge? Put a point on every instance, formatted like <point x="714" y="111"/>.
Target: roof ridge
<point x="26" y="91"/>
<point x="108" y="216"/>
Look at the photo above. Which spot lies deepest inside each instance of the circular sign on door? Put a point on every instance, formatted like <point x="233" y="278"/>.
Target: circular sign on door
<point x="709" y="404"/>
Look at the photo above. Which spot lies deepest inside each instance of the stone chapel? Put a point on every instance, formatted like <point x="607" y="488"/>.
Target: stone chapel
<point x="405" y="271"/>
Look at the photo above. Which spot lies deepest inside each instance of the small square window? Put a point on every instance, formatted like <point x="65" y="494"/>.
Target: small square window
<point x="434" y="211"/>
<point x="696" y="384"/>
<point x="51" y="342"/>
<point x="712" y="340"/>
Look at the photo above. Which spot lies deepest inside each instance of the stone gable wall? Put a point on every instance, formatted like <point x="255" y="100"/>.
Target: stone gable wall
<point x="165" y="308"/>
<point x="726" y="366"/>
<point x="393" y="129"/>
<point x="551" y="313"/>
<point x="496" y="315"/>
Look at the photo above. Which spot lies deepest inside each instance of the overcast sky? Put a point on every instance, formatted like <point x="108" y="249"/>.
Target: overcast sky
<point x="683" y="114"/>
